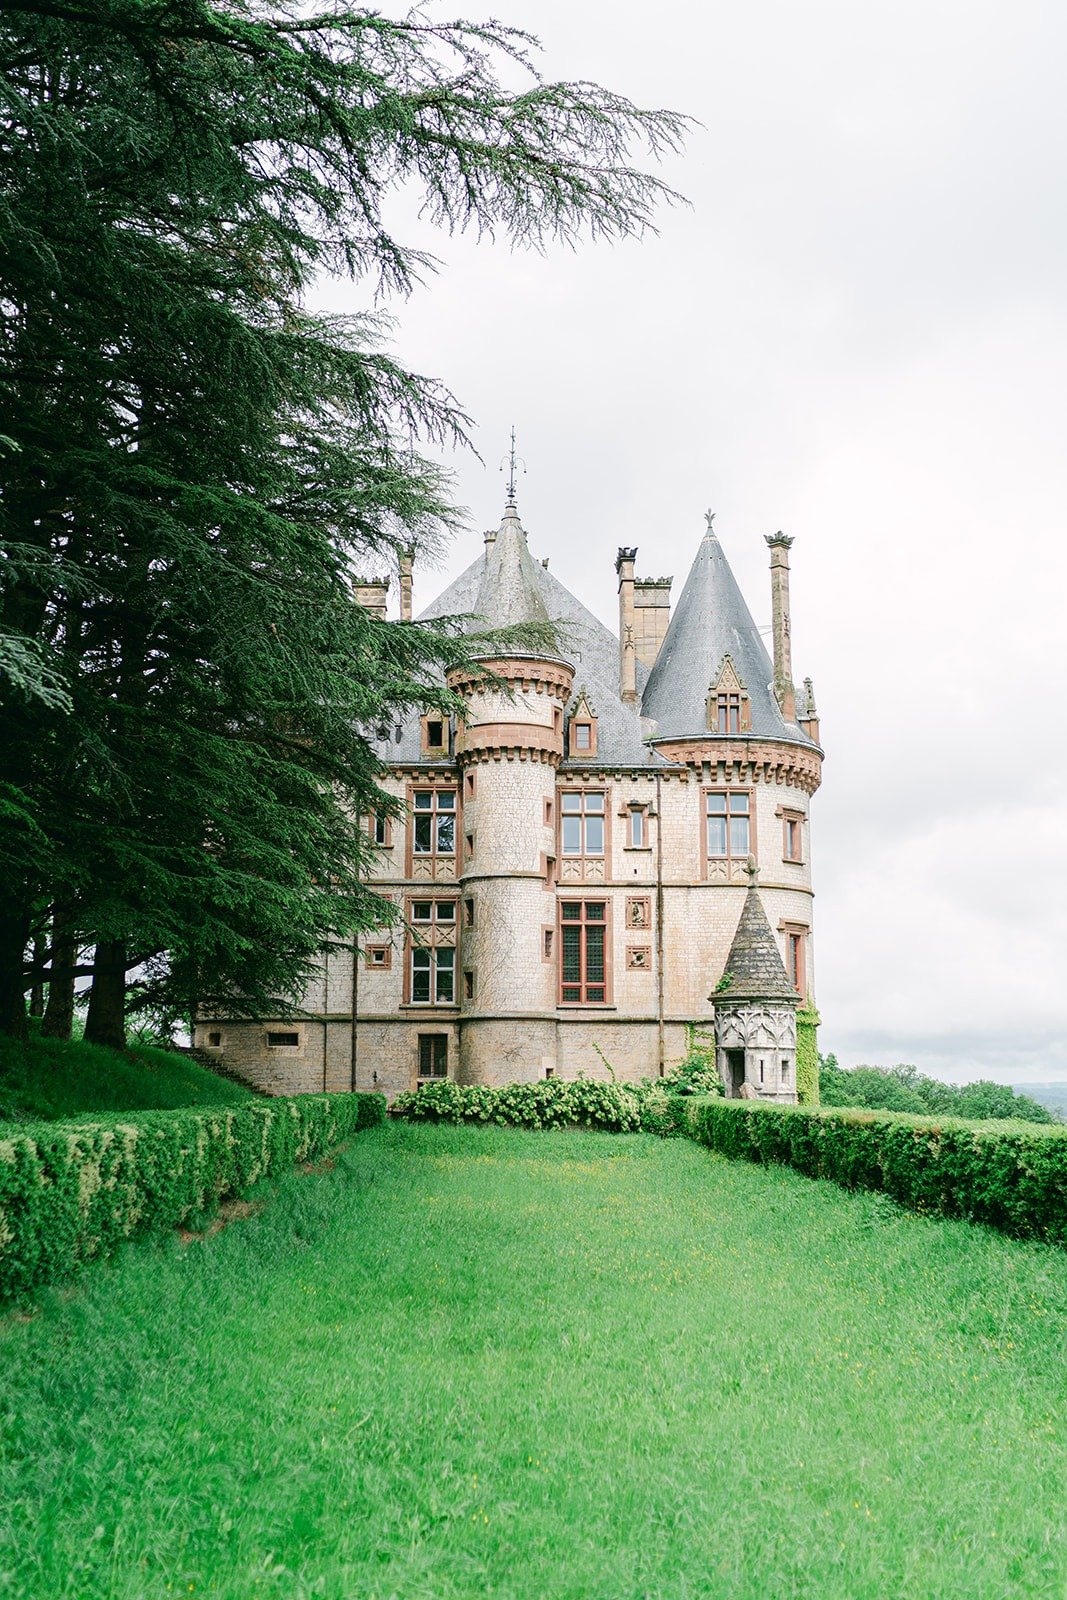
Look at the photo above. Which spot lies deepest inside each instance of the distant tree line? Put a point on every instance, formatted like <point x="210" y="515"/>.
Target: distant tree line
<point x="904" y="1088"/>
<point x="195" y="467"/>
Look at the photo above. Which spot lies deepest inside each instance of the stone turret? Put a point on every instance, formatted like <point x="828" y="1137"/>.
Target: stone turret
<point x="755" y="1010"/>
<point x="508" y="747"/>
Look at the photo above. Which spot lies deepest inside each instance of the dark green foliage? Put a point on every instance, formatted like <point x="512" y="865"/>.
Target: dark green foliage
<point x="808" y="1019"/>
<point x="1013" y="1177"/>
<point x="70" y="1193"/>
<point x="42" y="1080"/>
<point x="195" y="467"/>
<point x="549" y="1103"/>
<point x="904" y="1088"/>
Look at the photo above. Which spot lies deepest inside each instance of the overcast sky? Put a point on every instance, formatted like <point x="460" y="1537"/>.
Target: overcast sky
<point x="855" y="334"/>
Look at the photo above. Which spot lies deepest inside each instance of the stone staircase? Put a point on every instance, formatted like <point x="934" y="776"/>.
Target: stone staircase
<point x="220" y="1067"/>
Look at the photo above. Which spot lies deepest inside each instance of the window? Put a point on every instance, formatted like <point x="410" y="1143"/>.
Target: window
<point x="433" y="1055"/>
<point x="636" y="838"/>
<point x="435" y="822"/>
<point x="546" y="944"/>
<point x="283" y="1041"/>
<point x="728" y="713"/>
<point x="729" y="815"/>
<point x="548" y="813"/>
<point x="468" y="906"/>
<point x="582" y="736"/>
<point x="582" y="822"/>
<point x="215" y="1040"/>
<point x="792" y="836"/>
<point x="583" y="944"/>
<point x="796" y="964"/>
<point x="433" y="975"/>
<point x="433" y="954"/>
<point x="785" y="1070"/>
<point x="434" y="735"/>
<point x="378" y="955"/>
<point x="468" y="985"/>
<point x="380" y="828"/>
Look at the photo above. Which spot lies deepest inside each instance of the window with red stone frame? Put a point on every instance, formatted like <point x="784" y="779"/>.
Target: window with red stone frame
<point x="584" y="977"/>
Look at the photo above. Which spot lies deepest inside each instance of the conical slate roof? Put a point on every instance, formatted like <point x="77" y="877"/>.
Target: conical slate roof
<point x="505" y="585"/>
<point x="754" y="965"/>
<point x="510" y="591"/>
<point x="711" y="622"/>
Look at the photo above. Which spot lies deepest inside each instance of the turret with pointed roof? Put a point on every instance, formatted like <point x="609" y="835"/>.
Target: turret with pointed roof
<point x="712" y="622"/>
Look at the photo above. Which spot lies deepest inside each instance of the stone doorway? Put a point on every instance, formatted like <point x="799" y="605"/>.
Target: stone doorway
<point x="735" y="1073"/>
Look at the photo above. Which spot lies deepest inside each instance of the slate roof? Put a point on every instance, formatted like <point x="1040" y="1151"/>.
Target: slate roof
<point x="711" y="621"/>
<point x="507" y="585"/>
<point x="754" y="964"/>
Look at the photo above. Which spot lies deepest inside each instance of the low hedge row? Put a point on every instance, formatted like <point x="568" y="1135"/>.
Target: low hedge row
<point x="549" y="1103"/>
<point x="1012" y="1176"/>
<point x="73" y="1192"/>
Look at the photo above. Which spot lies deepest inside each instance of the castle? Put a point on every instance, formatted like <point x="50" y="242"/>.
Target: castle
<point x="609" y="849"/>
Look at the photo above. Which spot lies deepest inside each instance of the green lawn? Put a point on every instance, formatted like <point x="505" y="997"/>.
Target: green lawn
<point x="44" y="1080"/>
<point x="468" y="1362"/>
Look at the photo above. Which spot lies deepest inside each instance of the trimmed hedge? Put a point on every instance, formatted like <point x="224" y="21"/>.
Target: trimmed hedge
<point x="549" y="1103"/>
<point x="70" y="1192"/>
<point x="1012" y="1176"/>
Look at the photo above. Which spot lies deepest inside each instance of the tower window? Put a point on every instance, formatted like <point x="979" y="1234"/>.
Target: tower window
<point x="729" y="824"/>
<point x="728" y="713"/>
<point x="792" y="836"/>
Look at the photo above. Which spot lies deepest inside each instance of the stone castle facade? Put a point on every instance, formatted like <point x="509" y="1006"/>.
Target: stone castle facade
<point x="608" y="851"/>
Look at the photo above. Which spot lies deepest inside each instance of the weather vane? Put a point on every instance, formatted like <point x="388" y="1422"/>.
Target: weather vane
<point x="512" y="462"/>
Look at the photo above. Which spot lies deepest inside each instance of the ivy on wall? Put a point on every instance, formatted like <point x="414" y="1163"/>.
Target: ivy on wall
<point x="808" y="1020"/>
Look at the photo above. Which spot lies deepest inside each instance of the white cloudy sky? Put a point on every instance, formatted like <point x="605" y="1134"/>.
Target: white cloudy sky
<point x="855" y="334"/>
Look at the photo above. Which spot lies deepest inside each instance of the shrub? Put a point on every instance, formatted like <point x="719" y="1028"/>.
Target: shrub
<point x="1012" y="1176"/>
<point x="71" y="1192"/>
<point x="549" y="1103"/>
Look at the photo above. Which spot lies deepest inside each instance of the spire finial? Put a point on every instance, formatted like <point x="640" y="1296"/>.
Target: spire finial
<point x="709" y="518"/>
<point x="513" y="461"/>
<point x="752" y="872"/>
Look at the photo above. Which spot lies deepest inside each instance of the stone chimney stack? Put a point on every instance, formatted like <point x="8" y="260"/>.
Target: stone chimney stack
<point x="652" y="612"/>
<point x="405" y="585"/>
<point x="785" y="693"/>
<point x="624" y="566"/>
<point x="371" y="594"/>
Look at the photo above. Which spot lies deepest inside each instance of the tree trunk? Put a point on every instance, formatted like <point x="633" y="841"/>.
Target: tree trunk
<point x="14" y="932"/>
<point x="59" y="1012"/>
<point x="106" y="1021"/>
<point x="37" y="986"/>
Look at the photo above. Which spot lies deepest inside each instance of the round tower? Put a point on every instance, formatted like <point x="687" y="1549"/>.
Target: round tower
<point x="509" y="746"/>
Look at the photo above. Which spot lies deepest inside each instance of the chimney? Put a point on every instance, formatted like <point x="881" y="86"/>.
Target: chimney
<point x="784" y="692"/>
<point x="624" y="566"/>
<point x="370" y="594"/>
<point x="405" y="585"/>
<point x="652" y="612"/>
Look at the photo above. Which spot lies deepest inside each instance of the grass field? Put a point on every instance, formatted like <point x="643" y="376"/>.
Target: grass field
<point x="467" y="1362"/>
<point x="45" y="1080"/>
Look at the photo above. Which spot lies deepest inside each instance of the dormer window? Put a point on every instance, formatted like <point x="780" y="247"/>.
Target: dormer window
<point x="582" y="731"/>
<point x="729" y="708"/>
<point x="434" y="736"/>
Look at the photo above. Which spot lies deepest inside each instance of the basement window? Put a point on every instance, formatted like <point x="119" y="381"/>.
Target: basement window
<point x="433" y="1056"/>
<point x="282" y="1041"/>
